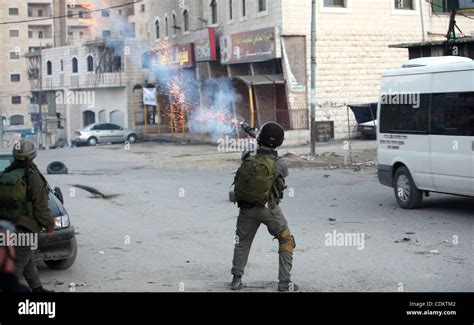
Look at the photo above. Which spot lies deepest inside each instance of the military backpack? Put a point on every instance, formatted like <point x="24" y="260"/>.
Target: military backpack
<point x="255" y="180"/>
<point x="13" y="195"/>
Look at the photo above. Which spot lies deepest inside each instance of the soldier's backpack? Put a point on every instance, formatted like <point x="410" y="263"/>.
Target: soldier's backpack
<point x="255" y="180"/>
<point x="13" y="194"/>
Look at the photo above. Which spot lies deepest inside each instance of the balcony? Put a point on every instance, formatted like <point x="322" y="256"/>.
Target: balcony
<point x="80" y="81"/>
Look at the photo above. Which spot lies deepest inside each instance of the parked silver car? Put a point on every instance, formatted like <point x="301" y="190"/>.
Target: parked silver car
<point x="105" y="133"/>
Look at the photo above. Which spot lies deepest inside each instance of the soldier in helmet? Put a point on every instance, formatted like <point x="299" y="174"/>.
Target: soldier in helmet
<point x="259" y="187"/>
<point x="24" y="202"/>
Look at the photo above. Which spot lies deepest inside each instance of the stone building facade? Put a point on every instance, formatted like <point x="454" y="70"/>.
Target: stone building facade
<point x="352" y="49"/>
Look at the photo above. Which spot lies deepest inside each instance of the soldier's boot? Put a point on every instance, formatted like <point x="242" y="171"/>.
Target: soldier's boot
<point x="236" y="283"/>
<point x="287" y="245"/>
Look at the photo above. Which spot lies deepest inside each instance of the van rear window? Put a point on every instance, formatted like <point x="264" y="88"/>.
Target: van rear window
<point x="452" y="114"/>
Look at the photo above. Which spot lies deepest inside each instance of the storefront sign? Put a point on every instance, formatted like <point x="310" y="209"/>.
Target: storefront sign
<point x="176" y="55"/>
<point x="255" y="46"/>
<point x="205" y="45"/>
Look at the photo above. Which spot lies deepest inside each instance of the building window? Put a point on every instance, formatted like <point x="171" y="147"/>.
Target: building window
<point x="30" y="33"/>
<point x="40" y="13"/>
<point x="17" y="120"/>
<point x="213" y="12"/>
<point x="75" y="65"/>
<point x="70" y="14"/>
<point x="120" y="12"/>
<point x="244" y="8"/>
<point x="334" y="3"/>
<point x="186" y="20"/>
<point x="157" y="29"/>
<point x="262" y="5"/>
<point x="15" y="77"/>
<point x="49" y="68"/>
<point x="14" y="56"/>
<point x="175" y="25"/>
<point x="231" y="9"/>
<point x="81" y="14"/>
<point x="13" y="11"/>
<point x="105" y="13"/>
<point x="62" y="65"/>
<point x="106" y="33"/>
<point x="404" y="4"/>
<point x="14" y="33"/>
<point x="90" y="63"/>
<point x="16" y="100"/>
<point x="142" y="8"/>
<point x="40" y="34"/>
<point x="146" y="58"/>
<point x="167" y="27"/>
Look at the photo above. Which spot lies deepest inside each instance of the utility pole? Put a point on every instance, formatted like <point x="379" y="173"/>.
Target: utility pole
<point x="40" y="74"/>
<point x="314" y="100"/>
<point x="422" y="21"/>
<point x="1" y="123"/>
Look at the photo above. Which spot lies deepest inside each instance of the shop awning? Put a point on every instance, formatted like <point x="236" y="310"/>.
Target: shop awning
<point x="260" y="80"/>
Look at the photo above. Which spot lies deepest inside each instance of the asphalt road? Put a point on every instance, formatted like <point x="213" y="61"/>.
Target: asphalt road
<point x="171" y="227"/>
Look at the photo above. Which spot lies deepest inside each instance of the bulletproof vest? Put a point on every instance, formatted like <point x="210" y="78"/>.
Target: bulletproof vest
<point x="13" y="195"/>
<point x="255" y="179"/>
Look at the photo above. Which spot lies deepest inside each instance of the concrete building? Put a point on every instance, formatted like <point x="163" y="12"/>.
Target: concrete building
<point x="265" y="51"/>
<point x="89" y="83"/>
<point x="15" y="41"/>
<point x="73" y="24"/>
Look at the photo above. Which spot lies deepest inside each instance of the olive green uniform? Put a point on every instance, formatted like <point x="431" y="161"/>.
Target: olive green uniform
<point x="250" y="218"/>
<point x="31" y="223"/>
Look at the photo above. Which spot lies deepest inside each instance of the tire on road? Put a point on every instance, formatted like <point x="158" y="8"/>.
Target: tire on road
<point x="132" y="138"/>
<point x="407" y="194"/>
<point x="92" y="141"/>
<point x="57" y="168"/>
<point x="66" y="263"/>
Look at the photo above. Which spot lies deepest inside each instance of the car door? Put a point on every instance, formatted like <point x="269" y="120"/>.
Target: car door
<point x="101" y="133"/>
<point x="452" y="142"/>
<point x="117" y="134"/>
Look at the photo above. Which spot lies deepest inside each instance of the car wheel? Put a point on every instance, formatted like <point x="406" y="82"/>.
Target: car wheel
<point x="132" y="138"/>
<point x="64" y="264"/>
<point x="57" y="168"/>
<point x="92" y="141"/>
<point x="407" y="194"/>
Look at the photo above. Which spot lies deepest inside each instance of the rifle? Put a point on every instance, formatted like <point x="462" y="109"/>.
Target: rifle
<point x="249" y="130"/>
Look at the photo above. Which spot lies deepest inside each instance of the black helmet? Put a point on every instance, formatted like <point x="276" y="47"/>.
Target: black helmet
<point x="271" y="135"/>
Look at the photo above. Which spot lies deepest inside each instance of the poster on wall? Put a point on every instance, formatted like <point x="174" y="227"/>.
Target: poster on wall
<point x="149" y="96"/>
<point x="254" y="46"/>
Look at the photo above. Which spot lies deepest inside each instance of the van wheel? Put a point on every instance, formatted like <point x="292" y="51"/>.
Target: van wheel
<point x="408" y="196"/>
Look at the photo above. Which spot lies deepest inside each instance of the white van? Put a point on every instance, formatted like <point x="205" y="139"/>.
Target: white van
<point x="426" y="129"/>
